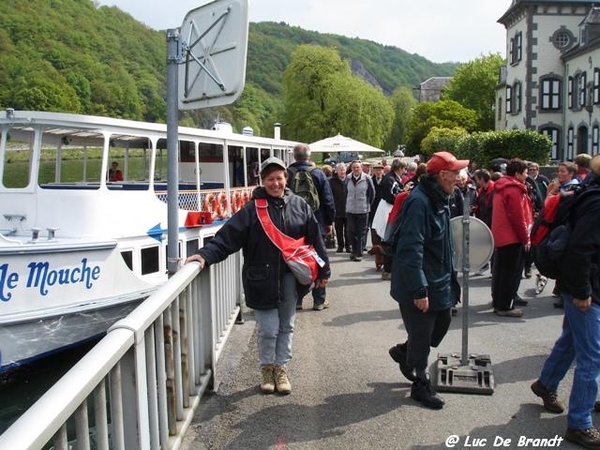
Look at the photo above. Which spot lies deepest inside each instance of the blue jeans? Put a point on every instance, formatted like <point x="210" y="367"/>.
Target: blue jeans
<point x="579" y="341"/>
<point x="276" y="326"/>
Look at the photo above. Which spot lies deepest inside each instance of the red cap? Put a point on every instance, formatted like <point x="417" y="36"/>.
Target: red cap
<point x="445" y="161"/>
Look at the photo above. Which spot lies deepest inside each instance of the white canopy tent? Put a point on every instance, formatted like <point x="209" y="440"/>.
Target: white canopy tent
<point x="341" y="143"/>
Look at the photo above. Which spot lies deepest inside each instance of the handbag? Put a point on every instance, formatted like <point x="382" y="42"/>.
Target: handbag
<point x="302" y="258"/>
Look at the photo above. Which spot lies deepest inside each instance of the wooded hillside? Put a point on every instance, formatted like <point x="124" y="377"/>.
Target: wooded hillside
<point x="75" y="56"/>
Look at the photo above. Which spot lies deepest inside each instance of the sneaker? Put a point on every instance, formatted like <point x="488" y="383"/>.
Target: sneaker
<point x="398" y="354"/>
<point x="386" y="276"/>
<point x="358" y="258"/>
<point x="267" y="386"/>
<point x="527" y="273"/>
<point x="321" y="306"/>
<point x="340" y="250"/>
<point x="509" y="313"/>
<point x="281" y="380"/>
<point x="422" y="392"/>
<point x="588" y="438"/>
<point x="551" y="401"/>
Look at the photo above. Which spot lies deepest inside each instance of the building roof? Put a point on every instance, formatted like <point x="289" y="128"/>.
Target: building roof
<point x="517" y="5"/>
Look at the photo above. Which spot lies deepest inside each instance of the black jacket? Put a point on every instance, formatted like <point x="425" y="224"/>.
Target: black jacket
<point x="339" y="191"/>
<point x="580" y="275"/>
<point x="264" y="266"/>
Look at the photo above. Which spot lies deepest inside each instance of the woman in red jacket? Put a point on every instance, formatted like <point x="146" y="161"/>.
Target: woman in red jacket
<point x="511" y="222"/>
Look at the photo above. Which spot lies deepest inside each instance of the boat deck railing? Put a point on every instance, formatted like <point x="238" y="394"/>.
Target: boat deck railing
<point x="140" y="385"/>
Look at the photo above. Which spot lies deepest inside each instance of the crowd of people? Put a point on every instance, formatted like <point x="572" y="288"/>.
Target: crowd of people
<point x="357" y="200"/>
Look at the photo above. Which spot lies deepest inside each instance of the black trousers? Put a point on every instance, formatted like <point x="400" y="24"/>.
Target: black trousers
<point x="341" y="233"/>
<point x="506" y="275"/>
<point x="425" y="330"/>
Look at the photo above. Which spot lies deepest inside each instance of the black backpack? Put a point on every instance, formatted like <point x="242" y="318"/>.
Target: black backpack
<point x="551" y="230"/>
<point x="303" y="185"/>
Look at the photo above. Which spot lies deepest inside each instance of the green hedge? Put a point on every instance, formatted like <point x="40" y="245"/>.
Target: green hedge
<point x="483" y="147"/>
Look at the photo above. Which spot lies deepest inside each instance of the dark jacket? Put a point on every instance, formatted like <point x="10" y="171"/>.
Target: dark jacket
<point x="580" y="274"/>
<point x="264" y="266"/>
<point x="376" y="198"/>
<point x="423" y="264"/>
<point x="484" y="202"/>
<point x="326" y="213"/>
<point x="391" y="185"/>
<point x="339" y="191"/>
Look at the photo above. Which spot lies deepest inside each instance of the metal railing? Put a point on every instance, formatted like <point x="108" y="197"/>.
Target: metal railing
<point x="139" y="386"/>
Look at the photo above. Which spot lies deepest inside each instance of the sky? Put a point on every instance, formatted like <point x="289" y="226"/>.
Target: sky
<point x="439" y="30"/>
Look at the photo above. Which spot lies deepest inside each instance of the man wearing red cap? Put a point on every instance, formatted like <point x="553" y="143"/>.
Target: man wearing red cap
<point x="423" y="277"/>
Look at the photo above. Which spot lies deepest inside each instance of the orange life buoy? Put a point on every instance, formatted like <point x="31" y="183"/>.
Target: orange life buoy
<point x="222" y="205"/>
<point x="233" y="202"/>
<point x="206" y="203"/>
<point x="211" y="204"/>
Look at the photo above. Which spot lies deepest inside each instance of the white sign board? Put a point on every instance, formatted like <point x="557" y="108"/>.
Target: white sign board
<point x="214" y="40"/>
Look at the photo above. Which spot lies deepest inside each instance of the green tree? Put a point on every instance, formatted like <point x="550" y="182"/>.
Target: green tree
<point x="442" y="114"/>
<point x="323" y="98"/>
<point x="357" y="109"/>
<point x="403" y="103"/>
<point x="306" y="83"/>
<point x="442" y="139"/>
<point x="474" y="86"/>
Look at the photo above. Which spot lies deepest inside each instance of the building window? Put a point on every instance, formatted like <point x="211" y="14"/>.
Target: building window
<point x="517" y="98"/>
<point x="595" y="139"/>
<point x="562" y="39"/>
<point x="570" y="143"/>
<point x="499" y="108"/>
<point x="570" y="93"/>
<point x="550" y="94"/>
<point x="554" y="135"/>
<point x="516" y="48"/>
<point x="596" y="87"/>
<point x="581" y="90"/>
<point x="508" y="99"/>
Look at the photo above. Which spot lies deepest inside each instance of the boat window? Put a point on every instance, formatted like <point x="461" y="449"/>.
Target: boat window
<point x="129" y="163"/>
<point x="128" y="258"/>
<point x="150" y="260"/>
<point x="191" y="246"/>
<point x="17" y="163"/>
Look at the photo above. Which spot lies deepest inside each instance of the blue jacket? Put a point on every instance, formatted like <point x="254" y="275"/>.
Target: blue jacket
<point x="264" y="267"/>
<point x="423" y="264"/>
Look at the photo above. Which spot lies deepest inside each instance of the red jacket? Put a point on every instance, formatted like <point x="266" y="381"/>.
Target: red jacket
<point x="512" y="213"/>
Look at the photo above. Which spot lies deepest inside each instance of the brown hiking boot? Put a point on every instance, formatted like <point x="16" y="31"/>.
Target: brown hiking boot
<point x="551" y="401"/>
<point x="267" y="386"/>
<point x="588" y="438"/>
<point x="281" y="380"/>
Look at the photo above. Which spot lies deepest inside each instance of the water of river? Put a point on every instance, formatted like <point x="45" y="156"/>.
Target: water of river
<point x="23" y="388"/>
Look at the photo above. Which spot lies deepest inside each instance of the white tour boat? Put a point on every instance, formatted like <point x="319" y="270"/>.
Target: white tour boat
<point x="80" y="244"/>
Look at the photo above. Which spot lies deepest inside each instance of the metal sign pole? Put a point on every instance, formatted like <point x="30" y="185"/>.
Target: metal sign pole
<point x="173" y="59"/>
<point x="466" y="373"/>
<point x="466" y="269"/>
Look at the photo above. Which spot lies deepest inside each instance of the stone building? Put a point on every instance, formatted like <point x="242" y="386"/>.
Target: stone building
<point x="551" y="82"/>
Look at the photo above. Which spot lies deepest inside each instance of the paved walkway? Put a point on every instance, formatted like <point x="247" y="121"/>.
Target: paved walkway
<point x="348" y="393"/>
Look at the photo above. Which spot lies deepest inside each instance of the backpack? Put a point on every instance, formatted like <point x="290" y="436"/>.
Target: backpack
<point x="303" y="185"/>
<point x="391" y="230"/>
<point x="551" y="230"/>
